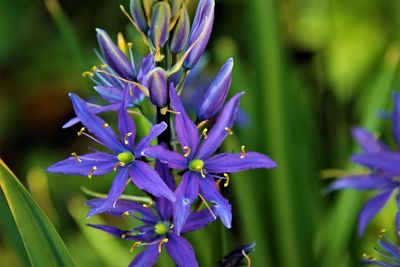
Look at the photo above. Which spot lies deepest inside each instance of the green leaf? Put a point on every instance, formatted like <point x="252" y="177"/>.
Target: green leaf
<point x="41" y="240"/>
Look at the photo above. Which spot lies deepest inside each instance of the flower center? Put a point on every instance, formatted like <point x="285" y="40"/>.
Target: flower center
<point x="196" y="165"/>
<point x="126" y="157"/>
<point x="161" y="228"/>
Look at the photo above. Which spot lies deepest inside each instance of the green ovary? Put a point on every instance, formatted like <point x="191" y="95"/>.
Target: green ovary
<point x="161" y="228"/>
<point x="196" y="165"/>
<point x="126" y="157"/>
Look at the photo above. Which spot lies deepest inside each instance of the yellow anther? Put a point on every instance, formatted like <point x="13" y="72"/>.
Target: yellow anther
<point x="76" y="157"/>
<point x="122" y="44"/>
<point x="202" y="173"/>
<point x="165" y="240"/>
<point x="171" y="226"/>
<point x="105" y="125"/>
<point x="146" y="205"/>
<point x="87" y="74"/>
<point x="187" y="153"/>
<point x="91" y="171"/>
<point x="135" y="245"/>
<point x="164" y="111"/>
<point x="121" y="164"/>
<point x="103" y="66"/>
<point x="138" y="85"/>
<point x="247" y="258"/>
<point x="126" y="213"/>
<point x="205" y="130"/>
<point x="129" y="45"/>
<point x="243" y="152"/>
<point x="227" y="180"/>
<point x="81" y="131"/>
<point x="229" y="130"/>
<point x="365" y="256"/>
<point x="94" y="68"/>
<point x="126" y="138"/>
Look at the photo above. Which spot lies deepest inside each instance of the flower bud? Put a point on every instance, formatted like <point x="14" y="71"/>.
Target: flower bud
<point x="181" y="33"/>
<point x="157" y="84"/>
<point x="203" y="22"/>
<point x="176" y="6"/>
<point x="114" y="57"/>
<point x="146" y="66"/>
<point x="160" y="19"/>
<point x="139" y="15"/>
<point x="216" y="93"/>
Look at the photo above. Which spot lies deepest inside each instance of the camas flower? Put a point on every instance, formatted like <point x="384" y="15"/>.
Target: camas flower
<point x="201" y="168"/>
<point x="125" y="158"/>
<point x="157" y="229"/>
<point x="389" y="252"/>
<point x="384" y="166"/>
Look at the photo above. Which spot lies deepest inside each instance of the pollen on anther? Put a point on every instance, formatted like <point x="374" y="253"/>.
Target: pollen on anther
<point x="227" y="180"/>
<point x="91" y="171"/>
<point x="76" y="157"/>
<point x="126" y="213"/>
<point x="126" y="138"/>
<point x="187" y="151"/>
<point x="135" y="245"/>
<point x="229" y="130"/>
<point x="105" y="125"/>
<point x="87" y="74"/>
<point x="205" y="130"/>
<point x="243" y="152"/>
<point x="165" y="240"/>
<point x="81" y="131"/>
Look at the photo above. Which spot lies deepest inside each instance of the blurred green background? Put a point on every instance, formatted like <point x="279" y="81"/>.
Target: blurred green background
<point x="311" y="70"/>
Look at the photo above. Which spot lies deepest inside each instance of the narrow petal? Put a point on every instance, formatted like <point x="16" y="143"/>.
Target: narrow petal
<point x="371" y="208"/>
<point x="396" y="119"/>
<point x="230" y="162"/>
<point x="147" y="258"/>
<point x="172" y="158"/>
<point x="126" y="126"/>
<point x="221" y="127"/>
<point x="186" y="193"/>
<point x="82" y="165"/>
<point x="145" y="178"/>
<point x="146" y="66"/>
<point x="222" y="208"/>
<point x="379" y="263"/>
<point x="95" y="124"/>
<point x="155" y="131"/>
<point x="122" y="206"/>
<point x="117" y="188"/>
<point x="398" y="216"/>
<point x="110" y="93"/>
<point x="164" y="206"/>
<point x="368" y="141"/>
<point x="181" y="251"/>
<point x="186" y="130"/>
<point x="361" y="182"/>
<point x="198" y="220"/>
<point x="386" y="161"/>
<point x="110" y="229"/>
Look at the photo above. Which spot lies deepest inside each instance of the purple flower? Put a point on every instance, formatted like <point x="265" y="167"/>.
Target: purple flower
<point x="158" y="88"/>
<point x="157" y="229"/>
<point x="199" y="164"/>
<point x="180" y="33"/>
<point x="389" y="252"/>
<point x="125" y="158"/>
<point x="384" y="168"/>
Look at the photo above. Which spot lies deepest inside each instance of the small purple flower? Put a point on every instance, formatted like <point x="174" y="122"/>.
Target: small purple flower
<point x="199" y="164"/>
<point x="389" y="252"/>
<point x="384" y="168"/>
<point x="125" y="158"/>
<point x="157" y="229"/>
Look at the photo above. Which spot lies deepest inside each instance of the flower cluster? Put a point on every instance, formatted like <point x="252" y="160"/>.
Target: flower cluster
<point x="383" y="175"/>
<point x="178" y="162"/>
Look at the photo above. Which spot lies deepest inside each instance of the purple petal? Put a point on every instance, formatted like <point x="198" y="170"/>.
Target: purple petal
<point x="219" y="131"/>
<point x="147" y="258"/>
<point x="371" y="208"/>
<point x="367" y="140"/>
<point x="138" y="14"/>
<point x="110" y="93"/>
<point x="361" y="182"/>
<point x="117" y="188"/>
<point x="396" y="118"/>
<point x="82" y="165"/>
<point x="198" y="220"/>
<point x="164" y="206"/>
<point x="181" y="33"/>
<point x="158" y="88"/>
<point x="95" y="110"/>
<point x="181" y="251"/>
<point x="379" y="263"/>
<point x="147" y="179"/>
<point x="122" y="206"/>
<point x="126" y="126"/>
<point x="222" y="208"/>
<point x="147" y="65"/>
<point x="386" y="161"/>
<point x="230" y="162"/>
<point x="160" y="19"/>
<point x="186" y="130"/>
<point x="95" y="124"/>
<point x="174" y="159"/>
<point x="186" y="193"/>
<point x="155" y="131"/>
<point x="111" y="230"/>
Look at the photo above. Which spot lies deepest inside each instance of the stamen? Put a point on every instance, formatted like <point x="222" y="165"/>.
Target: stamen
<point x="119" y="164"/>
<point x="126" y="138"/>
<point x="207" y="206"/>
<point x="141" y="87"/>
<point x="165" y="240"/>
<point x="205" y="130"/>
<point x="86" y="74"/>
<point x="201" y="124"/>
<point x="382" y="234"/>
<point x="187" y="151"/>
<point x="126" y="213"/>
<point x="229" y="130"/>
<point x="123" y="236"/>
<point x="247" y="258"/>
<point x="227" y="180"/>
<point x="76" y="157"/>
<point x="81" y="131"/>
<point x="171" y="226"/>
<point x="243" y="152"/>
<point x="146" y="205"/>
<point x="202" y="173"/>
<point x="94" y="68"/>
<point x="91" y="171"/>
<point x="135" y="245"/>
<point x="105" y="125"/>
<point x="144" y="37"/>
<point x="164" y="111"/>
<point x="103" y="66"/>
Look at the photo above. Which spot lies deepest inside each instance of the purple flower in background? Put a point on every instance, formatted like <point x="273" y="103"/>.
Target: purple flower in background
<point x="388" y="250"/>
<point x="125" y="158"/>
<point x="384" y="166"/>
<point x="201" y="167"/>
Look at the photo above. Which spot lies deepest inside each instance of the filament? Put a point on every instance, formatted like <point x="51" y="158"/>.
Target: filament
<point x="227" y="180"/>
<point x="135" y="245"/>
<point x="247" y="258"/>
<point x="91" y="171"/>
<point x="165" y="240"/>
<point x="76" y="157"/>
<point x="243" y="152"/>
<point x="119" y="164"/>
<point x="126" y="138"/>
<point x="139" y="86"/>
<point x="207" y="206"/>
<point x="229" y="130"/>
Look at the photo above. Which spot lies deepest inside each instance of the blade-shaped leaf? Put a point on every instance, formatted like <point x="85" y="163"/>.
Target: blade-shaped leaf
<point x="41" y="240"/>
